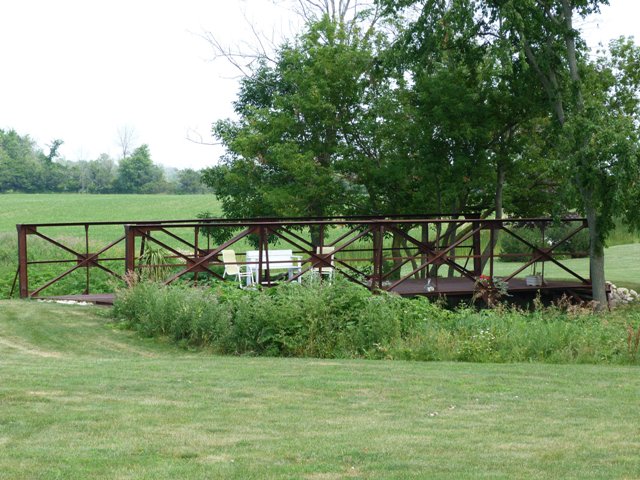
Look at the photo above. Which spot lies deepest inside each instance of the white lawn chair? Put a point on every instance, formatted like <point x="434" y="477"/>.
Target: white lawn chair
<point x="231" y="267"/>
<point x="324" y="269"/>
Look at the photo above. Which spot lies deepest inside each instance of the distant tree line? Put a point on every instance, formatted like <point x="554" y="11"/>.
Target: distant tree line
<point x="25" y="167"/>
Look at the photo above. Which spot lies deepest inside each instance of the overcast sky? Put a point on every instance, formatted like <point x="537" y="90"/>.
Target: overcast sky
<point x="80" y="70"/>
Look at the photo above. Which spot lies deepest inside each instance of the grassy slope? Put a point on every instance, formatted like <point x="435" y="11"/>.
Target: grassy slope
<point x="81" y="399"/>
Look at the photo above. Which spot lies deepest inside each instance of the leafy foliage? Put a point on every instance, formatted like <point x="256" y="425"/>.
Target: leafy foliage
<point x="284" y="152"/>
<point x="24" y="167"/>
<point x="138" y="174"/>
<point x="155" y="263"/>
<point x="342" y="320"/>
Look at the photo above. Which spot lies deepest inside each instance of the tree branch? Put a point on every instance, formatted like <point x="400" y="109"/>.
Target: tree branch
<point x="200" y="139"/>
<point x="549" y="83"/>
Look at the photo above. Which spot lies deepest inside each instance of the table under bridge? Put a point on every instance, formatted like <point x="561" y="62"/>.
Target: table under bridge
<point x="430" y="255"/>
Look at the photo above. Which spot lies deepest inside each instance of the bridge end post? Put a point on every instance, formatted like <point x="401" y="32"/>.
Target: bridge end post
<point x="23" y="274"/>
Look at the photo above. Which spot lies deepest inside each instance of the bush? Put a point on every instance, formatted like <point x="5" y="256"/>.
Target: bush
<point x="179" y="313"/>
<point x="343" y="320"/>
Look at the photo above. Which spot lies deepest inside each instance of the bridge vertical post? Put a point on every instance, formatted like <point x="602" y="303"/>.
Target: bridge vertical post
<point x="265" y="244"/>
<point x="196" y="252"/>
<point x="260" y="253"/>
<point x="492" y="243"/>
<point x="129" y="249"/>
<point x="477" y="253"/>
<point x="376" y="279"/>
<point x="424" y="238"/>
<point x="381" y="256"/>
<point x="86" y="252"/>
<point x="23" y="275"/>
<point x="320" y="248"/>
<point x="477" y="245"/>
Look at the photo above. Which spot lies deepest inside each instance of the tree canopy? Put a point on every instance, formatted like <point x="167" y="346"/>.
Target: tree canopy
<point x="285" y="153"/>
<point x="439" y="105"/>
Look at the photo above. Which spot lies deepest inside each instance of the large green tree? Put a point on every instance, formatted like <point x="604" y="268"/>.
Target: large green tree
<point x="285" y="151"/>
<point x="21" y="167"/>
<point x="579" y="113"/>
<point x="189" y="181"/>
<point x="595" y="107"/>
<point x="481" y="105"/>
<point x="138" y="174"/>
<point x="475" y="114"/>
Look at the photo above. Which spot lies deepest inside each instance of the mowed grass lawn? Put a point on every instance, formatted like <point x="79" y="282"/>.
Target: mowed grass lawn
<point x="622" y="266"/>
<point x="82" y="399"/>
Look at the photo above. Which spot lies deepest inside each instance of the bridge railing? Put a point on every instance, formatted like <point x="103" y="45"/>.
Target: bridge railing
<point x="408" y="255"/>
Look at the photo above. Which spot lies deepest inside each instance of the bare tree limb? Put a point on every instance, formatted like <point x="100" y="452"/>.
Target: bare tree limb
<point x="243" y="58"/>
<point x="199" y="139"/>
<point x="126" y="137"/>
<point x="263" y="52"/>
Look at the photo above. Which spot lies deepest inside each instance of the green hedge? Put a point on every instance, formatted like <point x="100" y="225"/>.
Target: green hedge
<point x="342" y="320"/>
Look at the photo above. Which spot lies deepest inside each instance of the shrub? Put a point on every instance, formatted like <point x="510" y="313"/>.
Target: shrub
<point x="343" y="320"/>
<point x="154" y="263"/>
<point x="179" y="313"/>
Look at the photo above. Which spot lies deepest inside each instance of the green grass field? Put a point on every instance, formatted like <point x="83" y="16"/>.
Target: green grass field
<point x="73" y="207"/>
<point x="622" y="266"/>
<point x="82" y="399"/>
<point x="60" y="208"/>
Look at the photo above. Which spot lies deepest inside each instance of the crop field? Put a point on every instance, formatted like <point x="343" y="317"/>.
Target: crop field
<point x="82" y="398"/>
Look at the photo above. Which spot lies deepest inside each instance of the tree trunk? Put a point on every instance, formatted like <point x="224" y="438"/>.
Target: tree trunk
<point x="316" y="232"/>
<point x="596" y="248"/>
<point x="316" y="235"/>
<point x="396" y="252"/>
<point x="596" y="263"/>
<point x="491" y="246"/>
<point x="433" y="271"/>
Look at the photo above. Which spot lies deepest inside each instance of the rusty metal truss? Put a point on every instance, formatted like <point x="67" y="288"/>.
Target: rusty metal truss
<point x="410" y="255"/>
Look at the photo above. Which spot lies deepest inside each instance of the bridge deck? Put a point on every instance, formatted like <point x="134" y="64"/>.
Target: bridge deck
<point x="448" y="287"/>
<point x="465" y="287"/>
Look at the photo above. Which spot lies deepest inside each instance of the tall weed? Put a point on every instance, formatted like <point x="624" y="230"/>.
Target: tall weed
<point x="342" y="320"/>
